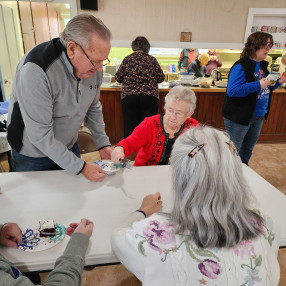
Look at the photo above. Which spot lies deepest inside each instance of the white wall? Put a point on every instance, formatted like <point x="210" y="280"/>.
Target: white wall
<point x="212" y="21"/>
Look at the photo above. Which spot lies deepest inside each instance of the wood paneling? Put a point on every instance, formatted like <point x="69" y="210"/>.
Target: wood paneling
<point x="208" y="111"/>
<point x="41" y="23"/>
<point x="27" y="26"/>
<point x="53" y="22"/>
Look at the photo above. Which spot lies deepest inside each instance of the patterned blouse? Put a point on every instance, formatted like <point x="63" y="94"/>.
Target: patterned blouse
<point x="139" y="73"/>
<point x="152" y="250"/>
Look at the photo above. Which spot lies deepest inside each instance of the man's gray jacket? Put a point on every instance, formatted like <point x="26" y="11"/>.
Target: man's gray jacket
<point x="48" y="105"/>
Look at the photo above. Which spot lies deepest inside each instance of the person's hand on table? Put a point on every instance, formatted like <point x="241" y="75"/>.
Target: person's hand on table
<point x="151" y="204"/>
<point x="85" y="226"/>
<point x="105" y="153"/>
<point x="264" y="82"/>
<point x="93" y="172"/>
<point x="282" y="78"/>
<point x="10" y="235"/>
<point x="117" y="154"/>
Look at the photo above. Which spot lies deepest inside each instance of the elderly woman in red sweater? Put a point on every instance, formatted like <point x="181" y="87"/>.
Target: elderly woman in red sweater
<point x="155" y="136"/>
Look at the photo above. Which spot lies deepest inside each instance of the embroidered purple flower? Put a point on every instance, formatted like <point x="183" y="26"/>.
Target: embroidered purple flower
<point x="210" y="268"/>
<point x="157" y="232"/>
<point x="245" y="247"/>
<point x="252" y="277"/>
<point x="257" y="224"/>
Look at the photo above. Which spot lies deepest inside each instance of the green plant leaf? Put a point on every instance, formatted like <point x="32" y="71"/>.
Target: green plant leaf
<point x="258" y="260"/>
<point x="141" y="247"/>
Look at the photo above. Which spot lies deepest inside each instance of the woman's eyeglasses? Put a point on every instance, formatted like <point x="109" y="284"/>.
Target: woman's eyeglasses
<point x="104" y="63"/>
<point x="170" y="111"/>
<point x="268" y="46"/>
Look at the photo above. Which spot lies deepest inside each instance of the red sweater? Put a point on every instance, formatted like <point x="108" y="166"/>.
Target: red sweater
<point x="150" y="138"/>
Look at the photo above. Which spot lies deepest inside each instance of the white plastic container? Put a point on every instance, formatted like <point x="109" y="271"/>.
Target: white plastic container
<point x="106" y="81"/>
<point x="186" y="78"/>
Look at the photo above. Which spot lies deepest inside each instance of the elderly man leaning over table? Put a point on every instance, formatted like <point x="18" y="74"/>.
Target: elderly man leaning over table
<point x="68" y="268"/>
<point x="56" y="87"/>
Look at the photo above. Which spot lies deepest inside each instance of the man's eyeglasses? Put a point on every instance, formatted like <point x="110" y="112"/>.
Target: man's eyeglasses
<point x="268" y="46"/>
<point x="170" y="111"/>
<point x="104" y="63"/>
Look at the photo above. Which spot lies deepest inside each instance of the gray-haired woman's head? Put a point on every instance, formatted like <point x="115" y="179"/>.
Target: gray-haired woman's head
<point x="211" y="194"/>
<point x="80" y="29"/>
<point x="141" y="44"/>
<point x="182" y="93"/>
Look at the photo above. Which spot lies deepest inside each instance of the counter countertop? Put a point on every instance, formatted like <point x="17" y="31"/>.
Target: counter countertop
<point x="195" y="88"/>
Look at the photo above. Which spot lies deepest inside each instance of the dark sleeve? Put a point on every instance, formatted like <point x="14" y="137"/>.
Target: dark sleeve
<point x="158" y="70"/>
<point x="195" y="69"/>
<point x="119" y="75"/>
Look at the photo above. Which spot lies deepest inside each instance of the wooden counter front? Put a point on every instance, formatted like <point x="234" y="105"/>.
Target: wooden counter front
<point x="208" y="111"/>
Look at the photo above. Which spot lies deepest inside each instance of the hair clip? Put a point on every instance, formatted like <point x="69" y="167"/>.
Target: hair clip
<point x="232" y="147"/>
<point x="195" y="150"/>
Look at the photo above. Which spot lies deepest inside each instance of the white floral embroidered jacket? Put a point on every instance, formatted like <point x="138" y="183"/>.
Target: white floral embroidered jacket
<point x="150" y="249"/>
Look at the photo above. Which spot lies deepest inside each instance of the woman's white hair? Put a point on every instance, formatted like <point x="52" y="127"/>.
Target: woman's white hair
<point x="80" y="29"/>
<point x="211" y="194"/>
<point x="182" y="93"/>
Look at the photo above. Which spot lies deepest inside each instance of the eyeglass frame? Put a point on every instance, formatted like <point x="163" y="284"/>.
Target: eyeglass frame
<point x="268" y="46"/>
<point x="95" y="66"/>
<point x="173" y="112"/>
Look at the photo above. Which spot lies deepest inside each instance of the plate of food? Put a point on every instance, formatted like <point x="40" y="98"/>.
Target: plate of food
<point x="108" y="166"/>
<point x="46" y="235"/>
<point x="222" y="84"/>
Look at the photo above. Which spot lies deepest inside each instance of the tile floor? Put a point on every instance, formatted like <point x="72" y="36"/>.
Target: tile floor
<point x="268" y="160"/>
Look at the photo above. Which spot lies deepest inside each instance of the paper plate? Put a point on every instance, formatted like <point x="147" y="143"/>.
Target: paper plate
<point x="108" y="166"/>
<point x="222" y="84"/>
<point x="32" y="242"/>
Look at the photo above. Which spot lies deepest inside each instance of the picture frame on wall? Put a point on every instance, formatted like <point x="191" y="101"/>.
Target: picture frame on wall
<point x="186" y="37"/>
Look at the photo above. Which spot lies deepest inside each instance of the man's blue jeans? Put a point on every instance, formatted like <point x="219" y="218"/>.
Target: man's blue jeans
<point x="244" y="137"/>
<point x="22" y="163"/>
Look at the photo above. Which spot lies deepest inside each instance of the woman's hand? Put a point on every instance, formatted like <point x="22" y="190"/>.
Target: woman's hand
<point x="264" y="82"/>
<point x="85" y="226"/>
<point x="151" y="204"/>
<point x="282" y="78"/>
<point x="117" y="154"/>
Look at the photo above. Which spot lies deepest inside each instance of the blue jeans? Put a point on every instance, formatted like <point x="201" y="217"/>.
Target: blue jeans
<point x="244" y="137"/>
<point x="22" y="163"/>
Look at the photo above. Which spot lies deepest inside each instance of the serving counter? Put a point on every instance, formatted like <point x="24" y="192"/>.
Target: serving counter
<point x="208" y="111"/>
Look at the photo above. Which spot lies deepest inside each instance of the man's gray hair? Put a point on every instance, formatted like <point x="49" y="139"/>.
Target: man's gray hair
<point x="211" y="194"/>
<point x="80" y="29"/>
<point x="182" y="93"/>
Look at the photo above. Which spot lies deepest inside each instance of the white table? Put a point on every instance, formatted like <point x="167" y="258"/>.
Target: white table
<point x="28" y="197"/>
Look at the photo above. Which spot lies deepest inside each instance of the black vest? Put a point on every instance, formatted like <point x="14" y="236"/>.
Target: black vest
<point x="241" y="109"/>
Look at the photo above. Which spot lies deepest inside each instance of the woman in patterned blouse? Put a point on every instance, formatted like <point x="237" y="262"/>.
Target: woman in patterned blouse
<point x="212" y="236"/>
<point x="139" y="74"/>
